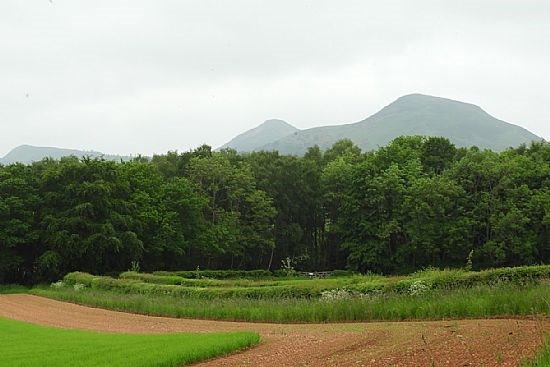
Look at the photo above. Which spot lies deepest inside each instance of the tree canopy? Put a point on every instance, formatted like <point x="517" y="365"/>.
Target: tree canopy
<point x="415" y="203"/>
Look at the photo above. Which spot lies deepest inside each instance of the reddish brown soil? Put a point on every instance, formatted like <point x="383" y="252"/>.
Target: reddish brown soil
<point x="494" y="342"/>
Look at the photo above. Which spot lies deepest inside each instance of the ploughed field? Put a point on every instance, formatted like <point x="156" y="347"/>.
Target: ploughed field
<point x="495" y="317"/>
<point x="494" y="342"/>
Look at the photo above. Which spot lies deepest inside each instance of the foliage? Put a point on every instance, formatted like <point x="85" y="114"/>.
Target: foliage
<point x="13" y="288"/>
<point x="480" y="301"/>
<point x="218" y="274"/>
<point x="542" y="359"/>
<point x="415" y="203"/>
<point x="131" y="286"/>
<point x="415" y="284"/>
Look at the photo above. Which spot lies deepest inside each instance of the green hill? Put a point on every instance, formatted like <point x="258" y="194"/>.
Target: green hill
<point x="416" y="114"/>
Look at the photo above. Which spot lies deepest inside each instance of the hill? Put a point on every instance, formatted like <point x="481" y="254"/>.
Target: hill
<point x="416" y="114"/>
<point x="28" y="154"/>
<point x="267" y="132"/>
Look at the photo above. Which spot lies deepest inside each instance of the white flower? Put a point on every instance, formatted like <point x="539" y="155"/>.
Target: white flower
<point x="336" y="294"/>
<point x="418" y="287"/>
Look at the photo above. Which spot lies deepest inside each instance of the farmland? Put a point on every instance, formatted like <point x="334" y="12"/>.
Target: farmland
<point x="23" y="344"/>
<point x="444" y="317"/>
<point x="365" y="222"/>
<point x="437" y="241"/>
<point x="493" y="342"/>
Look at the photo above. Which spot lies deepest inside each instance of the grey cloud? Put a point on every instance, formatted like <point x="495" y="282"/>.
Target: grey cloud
<point x="174" y="74"/>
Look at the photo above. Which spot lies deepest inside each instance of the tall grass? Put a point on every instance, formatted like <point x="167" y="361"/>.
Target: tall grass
<point x="327" y="283"/>
<point x="13" y="288"/>
<point x="154" y="284"/>
<point x="542" y="359"/>
<point x="28" y="345"/>
<point x="476" y="302"/>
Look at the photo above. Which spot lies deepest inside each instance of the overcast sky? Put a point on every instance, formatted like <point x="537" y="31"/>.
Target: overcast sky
<point x="137" y="76"/>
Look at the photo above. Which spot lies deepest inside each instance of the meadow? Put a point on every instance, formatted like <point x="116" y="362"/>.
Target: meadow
<point x="23" y="344"/>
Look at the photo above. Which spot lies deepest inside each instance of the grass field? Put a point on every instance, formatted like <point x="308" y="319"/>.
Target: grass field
<point x="23" y="344"/>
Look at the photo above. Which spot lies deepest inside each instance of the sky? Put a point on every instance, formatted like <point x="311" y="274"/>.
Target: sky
<point x="144" y="77"/>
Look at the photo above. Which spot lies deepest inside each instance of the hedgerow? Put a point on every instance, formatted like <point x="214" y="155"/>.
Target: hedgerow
<point x="217" y="274"/>
<point x="456" y="279"/>
<point x="420" y="282"/>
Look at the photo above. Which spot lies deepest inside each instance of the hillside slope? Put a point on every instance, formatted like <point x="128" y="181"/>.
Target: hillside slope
<point x="27" y="154"/>
<point x="267" y="132"/>
<point x="416" y="114"/>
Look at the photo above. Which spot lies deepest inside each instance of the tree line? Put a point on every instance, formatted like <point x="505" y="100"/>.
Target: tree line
<point x="415" y="203"/>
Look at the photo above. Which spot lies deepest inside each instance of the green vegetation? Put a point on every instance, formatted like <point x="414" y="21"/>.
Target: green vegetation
<point x="416" y="203"/>
<point x="428" y="294"/>
<point x="13" y="288"/>
<point x="542" y="359"/>
<point x="478" y="302"/>
<point x="360" y="285"/>
<point x="218" y="274"/>
<point x="23" y="344"/>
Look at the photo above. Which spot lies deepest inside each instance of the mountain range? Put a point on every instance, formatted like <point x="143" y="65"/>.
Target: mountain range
<point x="264" y="134"/>
<point x="462" y="123"/>
<point x="27" y="154"/>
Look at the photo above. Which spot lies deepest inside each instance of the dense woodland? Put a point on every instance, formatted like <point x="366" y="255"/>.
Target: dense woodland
<point x="415" y="203"/>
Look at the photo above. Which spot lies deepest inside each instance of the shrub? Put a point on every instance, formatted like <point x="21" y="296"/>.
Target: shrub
<point x="418" y="287"/>
<point x="337" y="295"/>
<point x="136" y="286"/>
<point x="217" y="274"/>
<point x="150" y="278"/>
<point x="166" y="283"/>
<point x="58" y="284"/>
<point x="342" y="273"/>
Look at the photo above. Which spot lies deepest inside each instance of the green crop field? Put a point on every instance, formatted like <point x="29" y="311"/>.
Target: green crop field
<point x="257" y="296"/>
<point x="23" y="344"/>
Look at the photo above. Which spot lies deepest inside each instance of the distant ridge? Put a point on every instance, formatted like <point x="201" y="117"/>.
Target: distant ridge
<point x="28" y="153"/>
<point x="462" y="123"/>
<point x="269" y="131"/>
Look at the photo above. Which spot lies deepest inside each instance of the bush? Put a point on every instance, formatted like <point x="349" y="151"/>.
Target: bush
<point x="433" y="279"/>
<point x="166" y="283"/>
<point x="216" y="274"/>
<point x="150" y="278"/>
<point x="342" y="273"/>
<point x="127" y="285"/>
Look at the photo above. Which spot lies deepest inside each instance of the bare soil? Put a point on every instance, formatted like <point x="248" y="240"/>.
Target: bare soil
<point x="488" y="342"/>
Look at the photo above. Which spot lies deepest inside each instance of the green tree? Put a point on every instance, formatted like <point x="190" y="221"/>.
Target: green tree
<point x="19" y="202"/>
<point x="86" y="221"/>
